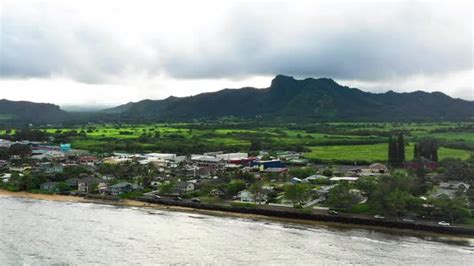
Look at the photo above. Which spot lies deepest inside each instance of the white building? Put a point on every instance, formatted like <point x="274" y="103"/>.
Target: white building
<point x="232" y="156"/>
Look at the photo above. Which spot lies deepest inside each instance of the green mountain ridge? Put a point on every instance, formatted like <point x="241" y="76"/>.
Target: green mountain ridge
<point x="308" y="99"/>
<point x="29" y="112"/>
<point x="286" y="100"/>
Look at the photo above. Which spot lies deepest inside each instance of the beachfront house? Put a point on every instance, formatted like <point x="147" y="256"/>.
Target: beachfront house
<point x="245" y="196"/>
<point x="183" y="188"/>
<point x="49" y="186"/>
<point x="88" y="184"/>
<point x="120" y="188"/>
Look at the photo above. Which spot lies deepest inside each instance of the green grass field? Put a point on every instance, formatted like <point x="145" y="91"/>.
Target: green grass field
<point x="328" y="141"/>
<point x="373" y="152"/>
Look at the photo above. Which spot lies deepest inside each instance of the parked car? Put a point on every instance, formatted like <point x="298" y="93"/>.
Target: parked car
<point x="379" y="217"/>
<point x="443" y="223"/>
<point x="196" y="200"/>
<point x="333" y="212"/>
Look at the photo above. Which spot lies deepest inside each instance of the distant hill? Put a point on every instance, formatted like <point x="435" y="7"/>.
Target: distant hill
<point x="13" y="112"/>
<point x="295" y="100"/>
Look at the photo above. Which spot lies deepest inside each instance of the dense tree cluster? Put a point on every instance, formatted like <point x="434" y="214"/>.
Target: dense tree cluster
<point x="396" y="150"/>
<point x="426" y="148"/>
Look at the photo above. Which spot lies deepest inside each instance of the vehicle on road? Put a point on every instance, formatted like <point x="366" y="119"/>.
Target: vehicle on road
<point x="157" y="197"/>
<point x="443" y="223"/>
<point x="408" y="220"/>
<point x="379" y="217"/>
<point x="333" y="212"/>
<point x="178" y="199"/>
<point x="196" y="200"/>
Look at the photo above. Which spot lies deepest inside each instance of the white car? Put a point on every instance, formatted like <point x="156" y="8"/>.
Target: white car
<point x="443" y="223"/>
<point x="380" y="217"/>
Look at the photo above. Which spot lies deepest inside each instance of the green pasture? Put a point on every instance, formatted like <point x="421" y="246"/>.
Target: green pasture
<point x="373" y="152"/>
<point x="329" y="141"/>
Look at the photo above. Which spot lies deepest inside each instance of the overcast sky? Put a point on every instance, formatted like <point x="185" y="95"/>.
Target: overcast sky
<point x="111" y="52"/>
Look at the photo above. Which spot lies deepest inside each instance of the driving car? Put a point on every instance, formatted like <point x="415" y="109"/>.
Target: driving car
<point x="443" y="223"/>
<point x="378" y="216"/>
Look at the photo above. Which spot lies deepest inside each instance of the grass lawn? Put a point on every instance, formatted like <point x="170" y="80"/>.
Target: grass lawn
<point x="362" y="208"/>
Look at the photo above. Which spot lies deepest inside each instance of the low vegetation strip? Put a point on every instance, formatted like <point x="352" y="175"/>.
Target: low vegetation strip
<point x="289" y="213"/>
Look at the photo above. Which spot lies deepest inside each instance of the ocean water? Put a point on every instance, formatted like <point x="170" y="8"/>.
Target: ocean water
<point x="69" y="233"/>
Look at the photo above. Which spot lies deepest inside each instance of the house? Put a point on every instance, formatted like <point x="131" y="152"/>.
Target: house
<point x="102" y="188"/>
<point x="349" y="179"/>
<point x="245" y="196"/>
<point x="21" y="169"/>
<point x="217" y="193"/>
<point x="421" y="163"/>
<point x="357" y="194"/>
<point x="450" y="189"/>
<point x="120" y="188"/>
<point x="87" y="184"/>
<point x="275" y="170"/>
<point x="268" y="164"/>
<point x="295" y="180"/>
<point x="242" y="161"/>
<point x="49" y="186"/>
<point x="87" y="160"/>
<point x="441" y="192"/>
<point x="232" y="156"/>
<point x="183" y="188"/>
<point x="288" y="155"/>
<point x="56" y="169"/>
<point x="298" y="161"/>
<point x="378" y="168"/>
<point x="6" y="177"/>
<point x="206" y="160"/>
<point x="455" y="185"/>
<point x="198" y="171"/>
<point x="323" y="190"/>
<point x="314" y="178"/>
<point x="107" y="177"/>
<point x="5" y="143"/>
<point x="72" y="182"/>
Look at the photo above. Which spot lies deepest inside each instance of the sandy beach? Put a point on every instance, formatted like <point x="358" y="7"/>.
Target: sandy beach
<point x="125" y="203"/>
<point x="22" y="194"/>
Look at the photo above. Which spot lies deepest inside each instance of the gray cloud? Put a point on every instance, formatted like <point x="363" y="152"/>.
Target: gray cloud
<point x="412" y="40"/>
<point x="344" y="41"/>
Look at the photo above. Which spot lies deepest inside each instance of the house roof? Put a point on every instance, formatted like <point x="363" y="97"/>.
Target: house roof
<point x="121" y="184"/>
<point x="453" y="184"/>
<point x="183" y="185"/>
<point x="377" y="166"/>
<point x="90" y="179"/>
<point x="312" y="177"/>
<point x="345" y="178"/>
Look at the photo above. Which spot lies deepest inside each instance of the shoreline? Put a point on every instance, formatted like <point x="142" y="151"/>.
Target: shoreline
<point x="331" y="225"/>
